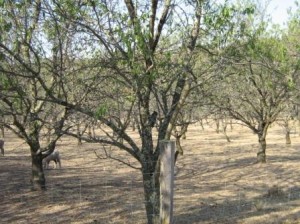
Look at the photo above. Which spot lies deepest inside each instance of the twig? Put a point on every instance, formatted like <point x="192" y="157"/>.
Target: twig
<point x="108" y="156"/>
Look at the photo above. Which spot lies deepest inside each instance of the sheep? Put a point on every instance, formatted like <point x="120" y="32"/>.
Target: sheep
<point x="2" y="146"/>
<point x="54" y="156"/>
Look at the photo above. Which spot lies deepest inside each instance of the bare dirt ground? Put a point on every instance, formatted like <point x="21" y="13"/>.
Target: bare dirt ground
<point x="216" y="182"/>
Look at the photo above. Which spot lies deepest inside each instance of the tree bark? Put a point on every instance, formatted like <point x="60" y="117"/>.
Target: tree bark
<point x="151" y="194"/>
<point x="261" y="154"/>
<point x="262" y="131"/>
<point x="2" y="126"/>
<point x="217" y="125"/>
<point x="287" y="138"/>
<point x="37" y="178"/>
<point x="79" y="141"/>
<point x="2" y="131"/>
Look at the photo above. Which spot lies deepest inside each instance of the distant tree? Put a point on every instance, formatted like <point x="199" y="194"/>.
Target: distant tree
<point x="256" y="86"/>
<point x="291" y="39"/>
<point x="287" y="121"/>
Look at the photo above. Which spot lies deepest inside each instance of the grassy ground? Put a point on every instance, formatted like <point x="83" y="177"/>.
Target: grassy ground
<point x="216" y="182"/>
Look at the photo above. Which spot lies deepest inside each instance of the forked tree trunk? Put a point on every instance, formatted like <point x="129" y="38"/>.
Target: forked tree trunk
<point x="37" y="178"/>
<point x="225" y="131"/>
<point x="201" y="124"/>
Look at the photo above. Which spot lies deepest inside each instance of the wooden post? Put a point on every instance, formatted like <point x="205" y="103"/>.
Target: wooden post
<point x="166" y="179"/>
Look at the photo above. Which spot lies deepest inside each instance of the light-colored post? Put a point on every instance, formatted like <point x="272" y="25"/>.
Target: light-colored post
<point x="166" y="178"/>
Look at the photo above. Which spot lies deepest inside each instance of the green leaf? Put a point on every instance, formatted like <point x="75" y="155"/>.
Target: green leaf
<point x="291" y="84"/>
<point x="5" y="82"/>
<point x="7" y="26"/>
<point x="101" y="111"/>
<point x="249" y="10"/>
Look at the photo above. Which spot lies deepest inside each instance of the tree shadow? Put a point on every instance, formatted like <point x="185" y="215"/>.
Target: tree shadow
<point x="232" y="191"/>
<point x="235" y="210"/>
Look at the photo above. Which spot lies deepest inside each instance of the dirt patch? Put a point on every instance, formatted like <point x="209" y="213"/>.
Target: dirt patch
<point x="216" y="182"/>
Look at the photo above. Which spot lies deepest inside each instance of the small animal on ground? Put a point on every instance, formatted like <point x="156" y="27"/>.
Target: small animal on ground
<point x="54" y="156"/>
<point x="2" y="146"/>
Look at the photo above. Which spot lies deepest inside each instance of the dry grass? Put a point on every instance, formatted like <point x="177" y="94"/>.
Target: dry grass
<point x="216" y="182"/>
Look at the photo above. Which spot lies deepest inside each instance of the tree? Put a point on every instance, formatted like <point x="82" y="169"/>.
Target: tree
<point x="131" y="42"/>
<point x="23" y="101"/>
<point x="257" y="86"/>
<point x="27" y="117"/>
<point x="291" y="39"/>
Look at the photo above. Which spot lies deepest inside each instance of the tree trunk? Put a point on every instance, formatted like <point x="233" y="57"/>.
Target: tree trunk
<point x="287" y="132"/>
<point x="151" y="193"/>
<point x="90" y="131"/>
<point x="299" y="127"/>
<point x="179" y="150"/>
<point x="225" y="131"/>
<point x="217" y="125"/>
<point x="201" y="124"/>
<point x="2" y="122"/>
<point x="231" y="125"/>
<point x="261" y="154"/>
<point x="2" y="131"/>
<point x="79" y="142"/>
<point x="38" y="178"/>
<point x="287" y="137"/>
<point x="133" y="125"/>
